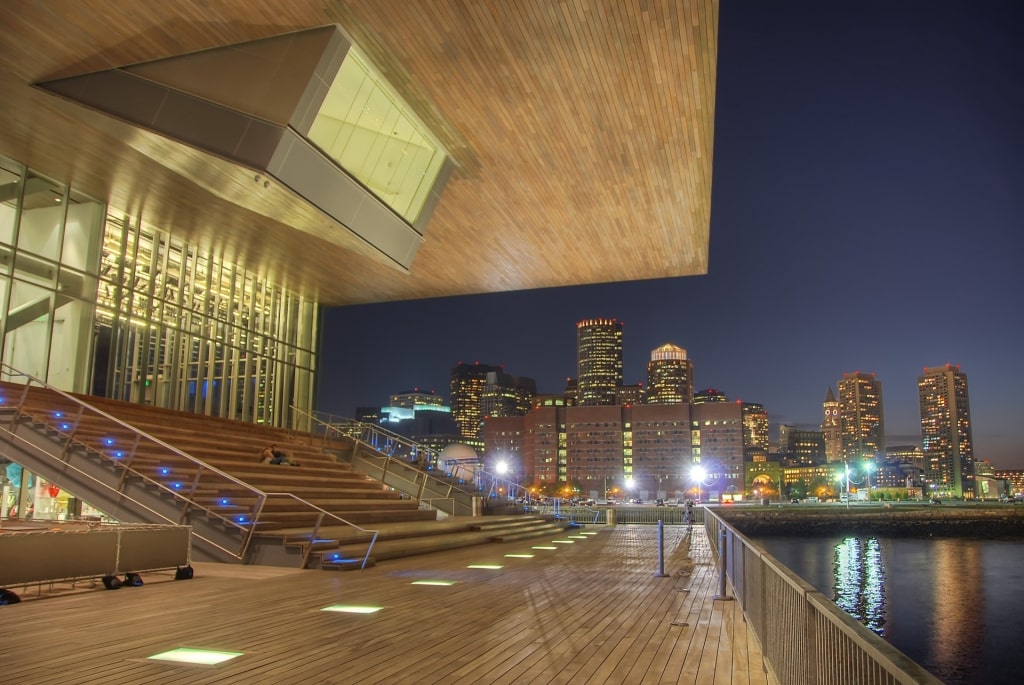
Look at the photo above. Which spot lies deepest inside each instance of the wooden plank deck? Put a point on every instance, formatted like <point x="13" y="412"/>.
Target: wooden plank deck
<point x="589" y="612"/>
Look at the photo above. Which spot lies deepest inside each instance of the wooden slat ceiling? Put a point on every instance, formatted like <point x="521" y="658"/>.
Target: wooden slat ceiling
<point x="581" y="130"/>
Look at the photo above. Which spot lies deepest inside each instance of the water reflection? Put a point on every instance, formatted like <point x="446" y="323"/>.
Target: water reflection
<point x="952" y="605"/>
<point x="957" y="608"/>
<point x="859" y="581"/>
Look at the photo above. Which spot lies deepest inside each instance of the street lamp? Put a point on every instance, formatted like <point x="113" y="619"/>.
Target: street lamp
<point x="698" y="473"/>
<point x="868" y="467"/>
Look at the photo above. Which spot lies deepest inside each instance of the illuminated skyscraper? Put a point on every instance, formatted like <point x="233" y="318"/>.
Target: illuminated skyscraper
<point x="415" y="398"/>
<point x="830" y="427"/>
<point x="467" y="388"/>
<point x="861" y="425"/>
<point x="946" y="431"/>
<point x="669" y="376"/>
<point x="631" y="395"/>
<point x="599" y="361"/>
<point x="708" y="396"/>
<point x="755" y="431"/>
<point x="507" y="395"/>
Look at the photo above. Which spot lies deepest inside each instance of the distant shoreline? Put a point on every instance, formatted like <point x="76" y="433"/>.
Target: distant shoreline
<point x="1005" y="521"/>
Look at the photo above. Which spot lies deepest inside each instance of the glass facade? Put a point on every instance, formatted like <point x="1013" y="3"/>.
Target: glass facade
<point x="366" y="128"/>
<point x="104" y="304"/>
<point x="177" y="327"/>
<point x="49" y="248"/>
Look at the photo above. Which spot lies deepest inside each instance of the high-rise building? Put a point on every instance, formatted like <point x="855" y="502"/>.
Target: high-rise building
<point x="716" y="439"/>
<point x="905" y="454"/>
<point x="669" y="376"/>
<point x="709" y="395"/>
<point x="507" y="395"/>
<point x="830" y="428"/>
<point x="599" y="361"/>
<point x="861" y="425"/>
<point x="415" y="398"/>
<point x="946" y="431"/>
<point x="755" y="431"/>
<point x="630" y="395"/>
<point x="799" y="447"/>
<point x="600" y="448"/>
<point x="466" y="389"/>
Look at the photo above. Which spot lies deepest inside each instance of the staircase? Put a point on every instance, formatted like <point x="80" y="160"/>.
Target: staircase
<point x="145" y="465"/>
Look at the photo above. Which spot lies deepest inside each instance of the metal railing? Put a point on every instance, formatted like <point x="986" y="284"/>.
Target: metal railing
<point x="400" y="463"/>
<point x="805" y="638"/>
<point x="79" y="424"/>
<point x="468" y="477"/>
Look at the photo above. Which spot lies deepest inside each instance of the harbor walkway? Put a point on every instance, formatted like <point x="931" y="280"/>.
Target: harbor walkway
<point x="583" y="609"/>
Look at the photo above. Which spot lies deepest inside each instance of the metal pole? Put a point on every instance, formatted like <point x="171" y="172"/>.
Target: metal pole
<point x="722" y="590"/>
<point x="661" y="550"/>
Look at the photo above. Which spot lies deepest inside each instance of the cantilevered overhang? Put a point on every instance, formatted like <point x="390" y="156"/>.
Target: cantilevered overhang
<point x="303" y="108"/>
<point x="581" y="134"/>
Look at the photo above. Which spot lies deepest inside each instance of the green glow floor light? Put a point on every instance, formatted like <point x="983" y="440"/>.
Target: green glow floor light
<point x="190" y="655"/>
<point x="433" y="582"/>
<point x="352" y="609"/>
<point x="520" y="556"/>
<point x="543" y="547"/>
<point x="491" y="567"/>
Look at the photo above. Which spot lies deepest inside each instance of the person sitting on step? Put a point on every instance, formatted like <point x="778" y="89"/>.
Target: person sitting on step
<point x="272" y="455"/>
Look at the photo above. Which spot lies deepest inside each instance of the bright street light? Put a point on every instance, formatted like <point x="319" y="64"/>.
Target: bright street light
<point x="698" y="473"/>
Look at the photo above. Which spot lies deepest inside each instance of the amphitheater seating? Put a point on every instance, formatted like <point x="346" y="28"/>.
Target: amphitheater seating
<point x="310" y="508"/>
<point x="230" y="447"/>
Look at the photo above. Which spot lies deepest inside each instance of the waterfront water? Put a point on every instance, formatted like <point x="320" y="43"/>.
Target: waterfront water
<point x="954" y="605"/>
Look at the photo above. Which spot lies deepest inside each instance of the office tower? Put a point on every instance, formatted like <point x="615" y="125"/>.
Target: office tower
<point x="905" y="454"/>
<point x="669" y="376"/>
<point x="717" y="445"/>
<point x="507" y="395"/>
<point x="599" y="361"/>
<point x="572" y="391"/>
<point x="603" y="449"/>
<point x="830" y="427"/>
<point x="755" y="431"/>
<point x="631" y="395"/>
<point x="861" y="425"/>
<point x="416" y="398"/>
<point x="709" y="395"/>
<point x="798" y="447"/>
<point x="946" y="431"/>
<point x="466" y="388"/>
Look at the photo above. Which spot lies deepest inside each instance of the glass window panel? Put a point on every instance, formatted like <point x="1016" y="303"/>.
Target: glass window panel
<point x="81" y="232"/>
<point x="365" y="127"/>
<point x="27" y="328"/>
<point x="42" y="217"/>
<point x="11" y="174"/>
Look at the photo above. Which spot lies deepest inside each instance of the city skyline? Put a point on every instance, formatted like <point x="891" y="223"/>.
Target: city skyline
<point x="864" y="218"/>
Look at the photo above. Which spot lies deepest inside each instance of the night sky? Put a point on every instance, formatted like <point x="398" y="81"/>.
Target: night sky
<point x="867" y="215"/>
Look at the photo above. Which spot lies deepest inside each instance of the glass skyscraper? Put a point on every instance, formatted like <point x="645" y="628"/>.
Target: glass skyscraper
<point x="599" y="361"/>
<point x="861" y="424"/>
<point x="946" y="431"/>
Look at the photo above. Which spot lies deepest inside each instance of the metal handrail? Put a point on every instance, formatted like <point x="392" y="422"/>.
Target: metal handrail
<point x="366" y="434"/>
<point x="248" y="530"/>
<point x="805" y="638"/>
<point x="379" y="438"/>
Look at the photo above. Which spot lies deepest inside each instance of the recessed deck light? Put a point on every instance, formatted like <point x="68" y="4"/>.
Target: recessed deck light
<point x="189" y="655"/>
<point x="352" y="609"/>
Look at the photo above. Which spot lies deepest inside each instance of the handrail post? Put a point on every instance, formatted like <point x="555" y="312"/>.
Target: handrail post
<point x="661" y="550"/>
<point x="722" y="542"/>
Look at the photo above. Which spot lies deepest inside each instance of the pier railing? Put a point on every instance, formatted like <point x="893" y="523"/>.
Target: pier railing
<point x="805" y="638"/>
